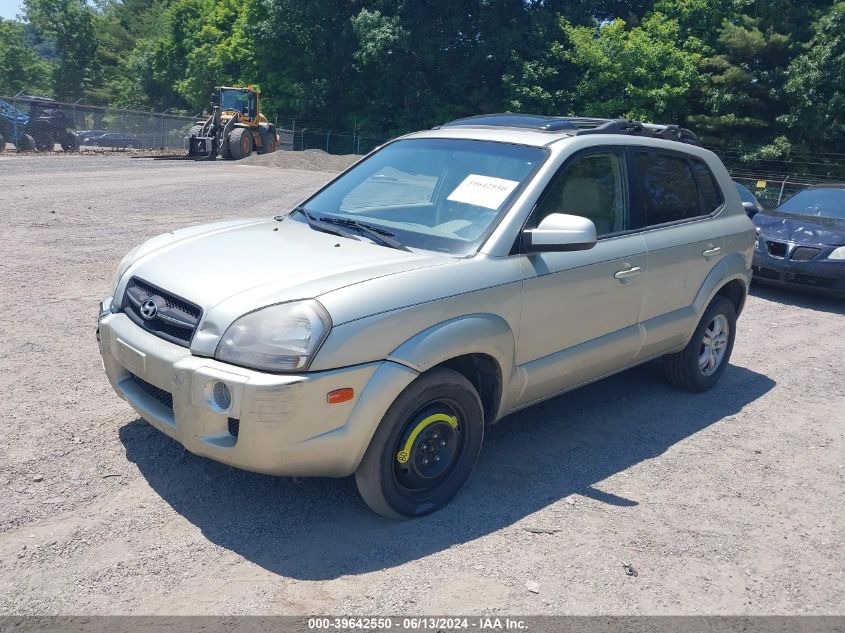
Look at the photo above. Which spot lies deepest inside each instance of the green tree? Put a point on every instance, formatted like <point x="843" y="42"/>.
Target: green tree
<point x="122" y="58"/>
<point x="70" y="26"/>
<point x="21" y="68"/>
<point x="646" y="72"/>
<point x="303" y="56"/>
<point x="816" y="85"/>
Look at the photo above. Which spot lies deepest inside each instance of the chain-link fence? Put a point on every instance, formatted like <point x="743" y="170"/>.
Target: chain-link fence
<point x="37" y="123"/>
<point x="40" y="124"/>
<point x="298" y="134"/>
<point x="774" y="180"/>
<point x="770" y="190"/>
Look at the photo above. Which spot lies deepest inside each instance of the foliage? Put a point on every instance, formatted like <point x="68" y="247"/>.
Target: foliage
<point x="764" y="75"/>
<point x="70" y="26"/>
<point x="816" y="83"/>
<point x="645" y="72"/>
<point x="21" y="68"/>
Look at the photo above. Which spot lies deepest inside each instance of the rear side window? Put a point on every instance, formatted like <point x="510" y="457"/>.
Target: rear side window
<point x="711" y="195"/>
<point x="667" y="187"/>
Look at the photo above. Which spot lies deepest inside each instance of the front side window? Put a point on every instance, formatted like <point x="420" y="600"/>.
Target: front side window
<point x="668" y="190"/>
<point x="592" y="187"/>
<point x="437" y="194"/>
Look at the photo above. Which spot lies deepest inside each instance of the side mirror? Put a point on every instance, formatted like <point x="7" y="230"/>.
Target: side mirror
<point x="560" y="232"/>
<point x="750" y="209"/>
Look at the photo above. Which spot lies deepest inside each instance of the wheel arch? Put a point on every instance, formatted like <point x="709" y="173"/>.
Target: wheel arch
<point x="730" y="278"/>
<point x="481" y="347"/>
<point x="485" y="374"/>
<point x="736" y="292"/>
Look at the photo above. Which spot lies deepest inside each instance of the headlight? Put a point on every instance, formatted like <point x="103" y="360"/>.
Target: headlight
<point x="279" y="338"/>
<point x="838" y="254"/>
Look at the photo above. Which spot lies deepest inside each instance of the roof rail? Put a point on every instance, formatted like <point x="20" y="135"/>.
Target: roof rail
<point x="578" y="126"/>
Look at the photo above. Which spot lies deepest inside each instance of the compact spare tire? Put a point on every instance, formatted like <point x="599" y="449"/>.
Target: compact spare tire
<point x="703" y="361"/>
<point x="424" y="448"/>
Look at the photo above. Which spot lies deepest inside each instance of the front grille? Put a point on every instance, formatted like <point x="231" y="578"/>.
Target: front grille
<point x="810" y="280"/>
<point x="776" y="249"/>
<point x="804" y="253"/>
<point x="156" y="393"/>
<point x="766" y="273"/>
<point x="175" y="319"/>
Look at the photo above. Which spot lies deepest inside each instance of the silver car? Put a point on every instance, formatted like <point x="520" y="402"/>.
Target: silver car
<point x="448" y="279"/>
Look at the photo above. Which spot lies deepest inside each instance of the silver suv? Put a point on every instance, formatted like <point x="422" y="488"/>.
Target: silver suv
<point x="448" y="279"/>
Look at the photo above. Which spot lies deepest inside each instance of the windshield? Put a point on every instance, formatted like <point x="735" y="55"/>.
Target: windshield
<point x="437" y="194"/>
<point x="232" y="100"/>
<point x="819" y="203"/>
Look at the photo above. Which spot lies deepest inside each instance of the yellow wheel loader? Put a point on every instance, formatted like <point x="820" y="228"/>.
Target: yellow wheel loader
<point x="234" y="128"/>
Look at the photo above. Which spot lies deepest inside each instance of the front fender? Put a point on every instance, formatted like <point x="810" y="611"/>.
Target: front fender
<point x="487" y="334"/>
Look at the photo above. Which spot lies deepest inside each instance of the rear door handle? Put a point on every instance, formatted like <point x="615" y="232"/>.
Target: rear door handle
<point x="710" y="252"/>
<point x="628" y="272"/>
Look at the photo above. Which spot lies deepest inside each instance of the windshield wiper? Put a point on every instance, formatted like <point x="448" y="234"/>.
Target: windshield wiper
<point x="320" y="225"/>
<point x="378" y="235"/>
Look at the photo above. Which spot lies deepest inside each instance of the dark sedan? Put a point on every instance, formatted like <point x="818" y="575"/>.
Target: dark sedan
<point x="115" y="139"/>
<point x="801" y="243"/>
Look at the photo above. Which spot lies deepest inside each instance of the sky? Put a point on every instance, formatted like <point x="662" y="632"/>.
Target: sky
<point x="9" y="8"/>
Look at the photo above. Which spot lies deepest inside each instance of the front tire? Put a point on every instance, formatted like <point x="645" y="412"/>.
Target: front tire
<point x="424" y="448"/>
<point x="26" y="143"/>
<point x="703" y="361"/>
<point x="240" y="143"/>
<point x="44" y="142"/>
<point x="69" y="142"/>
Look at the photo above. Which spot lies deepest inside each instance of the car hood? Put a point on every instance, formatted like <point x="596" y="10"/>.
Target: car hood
<point x="232" y="268"/>
<point x="800" y="229"/>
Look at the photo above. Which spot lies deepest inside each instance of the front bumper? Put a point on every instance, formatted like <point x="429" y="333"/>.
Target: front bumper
<point x="276" y="424"/>
<point x="818" y="275"/>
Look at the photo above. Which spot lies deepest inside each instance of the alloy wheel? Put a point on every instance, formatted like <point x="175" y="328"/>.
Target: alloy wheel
<point x="713" y="345"/>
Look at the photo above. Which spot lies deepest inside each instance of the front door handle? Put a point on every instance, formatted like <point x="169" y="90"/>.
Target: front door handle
<point x="628" y="272"/>
<point x="711" y="252"/>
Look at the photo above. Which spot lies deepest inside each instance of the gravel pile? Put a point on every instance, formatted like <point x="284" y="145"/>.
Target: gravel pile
<point x="309" y="159"/>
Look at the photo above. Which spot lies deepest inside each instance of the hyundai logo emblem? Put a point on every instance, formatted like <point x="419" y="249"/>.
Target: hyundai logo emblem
<point x="149" y="309"/>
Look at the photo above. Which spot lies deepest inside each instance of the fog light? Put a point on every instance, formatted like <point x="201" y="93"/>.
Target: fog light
<point x="220" y="397"/>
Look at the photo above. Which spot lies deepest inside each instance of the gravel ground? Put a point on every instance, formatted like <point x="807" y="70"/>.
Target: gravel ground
<point x="729" y="502"/>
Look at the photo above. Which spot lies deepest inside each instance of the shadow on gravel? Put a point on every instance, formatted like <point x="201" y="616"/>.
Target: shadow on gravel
<point x="320" y="529"/>
<point x="800" y="298"/>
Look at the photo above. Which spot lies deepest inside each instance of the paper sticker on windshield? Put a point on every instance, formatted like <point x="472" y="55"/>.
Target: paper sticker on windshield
<point x="483" y="191"/>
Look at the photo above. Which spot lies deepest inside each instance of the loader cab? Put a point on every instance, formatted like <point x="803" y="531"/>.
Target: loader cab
<point x="241" y="100"/>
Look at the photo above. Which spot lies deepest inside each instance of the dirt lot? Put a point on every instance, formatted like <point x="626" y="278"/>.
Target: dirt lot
<point x="727" y="502"/>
